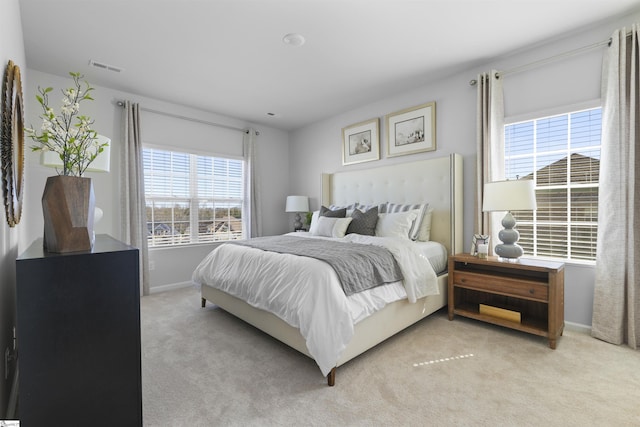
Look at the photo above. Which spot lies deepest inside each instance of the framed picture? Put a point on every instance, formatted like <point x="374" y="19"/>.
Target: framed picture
<point x="479" y="239"/>
<point x="361" y="142"/>
<point x="412" y="130"/>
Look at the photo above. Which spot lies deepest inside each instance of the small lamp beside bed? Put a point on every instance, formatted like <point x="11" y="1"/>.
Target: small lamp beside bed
<point x="297" y="204"/>
<point x="510" y="195"/>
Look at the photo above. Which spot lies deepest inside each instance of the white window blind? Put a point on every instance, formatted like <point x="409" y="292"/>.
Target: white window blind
<point x="192" y="198"/>
<point x="562" y="154"/>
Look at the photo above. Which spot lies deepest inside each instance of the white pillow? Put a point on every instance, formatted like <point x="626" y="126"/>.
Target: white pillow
<point x="424" y="234"/>
<point x="414" y="233"/>
<point x="395" y="224"/>
<point x="314" y="222"/>
<point x="331" y="227"/>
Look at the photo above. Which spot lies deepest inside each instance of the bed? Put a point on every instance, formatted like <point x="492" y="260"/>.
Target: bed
<point x="437" y="181"/>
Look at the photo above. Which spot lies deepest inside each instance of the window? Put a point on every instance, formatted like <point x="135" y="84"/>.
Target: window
<point x="192" y="198"/>
<point x="562" y="154"/>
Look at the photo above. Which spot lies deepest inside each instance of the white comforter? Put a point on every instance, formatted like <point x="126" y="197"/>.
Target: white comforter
<point x="306" y="292"/>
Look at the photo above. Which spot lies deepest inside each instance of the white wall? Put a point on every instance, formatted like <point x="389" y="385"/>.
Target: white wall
<point x="317" y="148"/>
<point x="11" y="48"/>
<point x="172" y="266"/>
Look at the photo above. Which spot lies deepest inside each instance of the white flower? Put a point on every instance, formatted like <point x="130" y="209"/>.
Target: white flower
<point x="68" y="135"/>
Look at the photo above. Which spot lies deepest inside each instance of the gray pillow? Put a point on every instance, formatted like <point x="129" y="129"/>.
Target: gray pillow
<point x="338" y="213"/>
<point x="364" y="222"/>
<point x="349" y="208"/>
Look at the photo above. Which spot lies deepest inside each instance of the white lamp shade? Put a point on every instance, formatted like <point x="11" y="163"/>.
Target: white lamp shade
<point x="514" y="195"/>
<point x="102" y="163"/>
<point x="297" y="204"/>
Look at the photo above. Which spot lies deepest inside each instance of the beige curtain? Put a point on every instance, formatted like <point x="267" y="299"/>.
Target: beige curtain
<point x="252" y="209"/>
<point x="490" y="147"/>
<point x="134" y="224"/>
<point x="616" y="302"/>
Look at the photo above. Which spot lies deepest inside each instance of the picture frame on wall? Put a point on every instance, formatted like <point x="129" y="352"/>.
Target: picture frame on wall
<point x="361" y="142"/>
<point x="412" y="130"/>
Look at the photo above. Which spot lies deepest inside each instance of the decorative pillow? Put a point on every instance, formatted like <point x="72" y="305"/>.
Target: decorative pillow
<point x="333" y="213"/>
<point x="332" y="227"/>
<point x="349" y="208"/>
<point x="424" y="235"/>
<point x="328" y="212"/>
<point x="364" y="222"/>
<point x="314" y="222"/>
<point x="395" y="224"/>
<point x="415" y="227"/>
<point x="381" y="207"/>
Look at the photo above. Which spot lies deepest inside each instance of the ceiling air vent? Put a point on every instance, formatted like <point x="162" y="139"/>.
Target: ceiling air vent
<point x="104" y="66"/>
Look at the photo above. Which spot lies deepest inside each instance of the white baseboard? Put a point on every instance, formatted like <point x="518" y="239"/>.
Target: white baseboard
<point x="169" y="287"/>
<point x="577" y="327"/>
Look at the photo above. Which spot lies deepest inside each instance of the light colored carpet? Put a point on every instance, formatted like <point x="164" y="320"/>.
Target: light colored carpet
<point x="204" y="367"/>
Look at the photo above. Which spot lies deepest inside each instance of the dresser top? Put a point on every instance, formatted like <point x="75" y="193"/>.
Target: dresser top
<point x="104" y="243"/>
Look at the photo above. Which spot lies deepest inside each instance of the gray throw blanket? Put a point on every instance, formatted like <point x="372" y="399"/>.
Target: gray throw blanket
<point x="359" y="267"/>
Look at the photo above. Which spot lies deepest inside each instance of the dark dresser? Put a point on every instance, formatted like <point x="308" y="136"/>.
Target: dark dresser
<point x="78" y="335"/>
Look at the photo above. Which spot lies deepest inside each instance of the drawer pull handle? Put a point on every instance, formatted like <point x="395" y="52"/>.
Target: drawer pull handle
<point x="532" y="291"/>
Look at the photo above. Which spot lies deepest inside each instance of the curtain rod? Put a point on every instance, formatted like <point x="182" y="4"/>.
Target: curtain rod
<point x="548" y="60"/>
<point x="191" y="119"/>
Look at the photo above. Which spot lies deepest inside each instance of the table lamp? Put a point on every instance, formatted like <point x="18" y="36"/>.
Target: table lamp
<point x="510" y="195"/>
<point x="297" y="204"/>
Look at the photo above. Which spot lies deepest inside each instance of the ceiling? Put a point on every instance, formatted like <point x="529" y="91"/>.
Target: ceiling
<point x="228" y="57"/>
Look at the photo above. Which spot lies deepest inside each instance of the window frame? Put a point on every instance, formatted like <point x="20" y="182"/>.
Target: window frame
<point x="540" y="115"/>
<point x="193" y="201"/>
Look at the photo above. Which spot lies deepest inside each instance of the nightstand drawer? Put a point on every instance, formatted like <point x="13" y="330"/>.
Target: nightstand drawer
<point x="520" y="288"/>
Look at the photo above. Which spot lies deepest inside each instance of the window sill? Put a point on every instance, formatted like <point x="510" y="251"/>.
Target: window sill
<point x="185" y="246"/>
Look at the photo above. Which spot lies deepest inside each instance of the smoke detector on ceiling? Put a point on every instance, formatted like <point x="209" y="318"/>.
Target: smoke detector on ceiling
<point x="293" y="39"/>
<point x="103" y="66"/>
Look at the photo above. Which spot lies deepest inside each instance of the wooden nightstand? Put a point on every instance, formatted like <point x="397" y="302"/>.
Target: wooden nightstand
<point x="527" y="295"/>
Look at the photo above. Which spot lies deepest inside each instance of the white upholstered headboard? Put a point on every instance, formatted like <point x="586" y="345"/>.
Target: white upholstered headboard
<point x="436" y="181"/>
